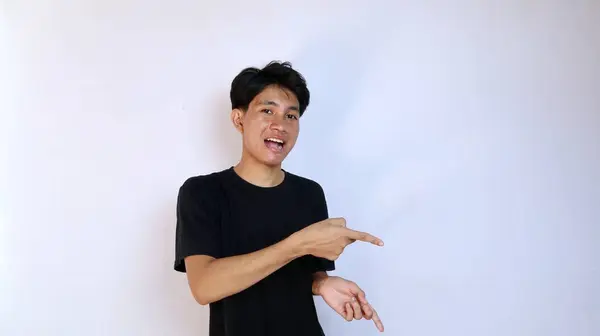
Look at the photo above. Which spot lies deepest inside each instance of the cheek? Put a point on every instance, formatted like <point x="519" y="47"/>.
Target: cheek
<point x="294" y="132"/>
<point x="253" y="131"/>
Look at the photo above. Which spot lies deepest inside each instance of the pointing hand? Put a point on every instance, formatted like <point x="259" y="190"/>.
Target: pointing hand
<point x="328" y="238"/>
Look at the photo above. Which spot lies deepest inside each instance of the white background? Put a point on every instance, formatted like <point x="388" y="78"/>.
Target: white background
<point x="465" y="133"/>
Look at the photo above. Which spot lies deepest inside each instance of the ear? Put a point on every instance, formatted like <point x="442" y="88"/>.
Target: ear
<point x="237" y="118"/>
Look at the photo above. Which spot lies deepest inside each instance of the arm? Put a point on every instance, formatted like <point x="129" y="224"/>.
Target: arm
<point x="213" y="279"/>
<point x="212" y="276"/>
<point x="321" y="266"/>
<point x="348" y="300"/>
<point x="318" y="278"/>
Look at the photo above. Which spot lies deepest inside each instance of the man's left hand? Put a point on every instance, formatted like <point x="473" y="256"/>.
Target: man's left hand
<point x="347" y="299"/>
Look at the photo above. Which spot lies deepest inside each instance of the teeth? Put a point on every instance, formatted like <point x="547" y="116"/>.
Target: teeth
<point x="275" y="140"/>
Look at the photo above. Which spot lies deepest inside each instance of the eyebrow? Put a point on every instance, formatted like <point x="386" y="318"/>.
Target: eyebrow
<point x="272" y="103"/>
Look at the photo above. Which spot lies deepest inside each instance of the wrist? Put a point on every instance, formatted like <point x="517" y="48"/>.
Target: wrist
<point x="294" y="246"/>
<point x="318" y="280"/>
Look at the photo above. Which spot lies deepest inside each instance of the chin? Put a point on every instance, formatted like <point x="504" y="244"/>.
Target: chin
<point x="269" y="157"/>
<point x="272" y="162"/>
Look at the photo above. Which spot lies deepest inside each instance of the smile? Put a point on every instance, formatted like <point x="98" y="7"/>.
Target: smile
<point x="274" y="144"/>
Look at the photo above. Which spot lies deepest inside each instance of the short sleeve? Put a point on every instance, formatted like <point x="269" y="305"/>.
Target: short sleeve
<point x="321" y="213"/>
<point x="198" y="226"/>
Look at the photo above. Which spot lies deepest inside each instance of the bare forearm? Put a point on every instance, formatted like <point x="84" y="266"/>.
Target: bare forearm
<point x="227" y="276"/>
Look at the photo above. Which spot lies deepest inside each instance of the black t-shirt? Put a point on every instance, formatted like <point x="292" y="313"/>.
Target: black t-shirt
<point x="222" y="215"/>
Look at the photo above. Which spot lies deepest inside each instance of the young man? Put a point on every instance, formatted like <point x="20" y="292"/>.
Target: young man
<point x="255" y="240"/>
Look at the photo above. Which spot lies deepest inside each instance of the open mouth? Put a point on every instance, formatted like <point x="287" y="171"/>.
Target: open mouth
<point x="274" y="144"/>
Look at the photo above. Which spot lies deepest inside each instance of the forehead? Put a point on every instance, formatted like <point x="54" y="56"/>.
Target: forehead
<point x="276" y="95"/>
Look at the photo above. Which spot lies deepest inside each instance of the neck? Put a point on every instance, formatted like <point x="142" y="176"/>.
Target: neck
<point x="259" y="174"/>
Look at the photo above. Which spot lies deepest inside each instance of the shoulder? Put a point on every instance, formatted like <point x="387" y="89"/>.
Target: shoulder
<point x="201" y="185"/>
<point x="312" y="195"/>
<point x="306" y="184"/>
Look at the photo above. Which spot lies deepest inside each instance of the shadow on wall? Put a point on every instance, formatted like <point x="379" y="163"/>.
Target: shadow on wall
<point x="334" y="68"/>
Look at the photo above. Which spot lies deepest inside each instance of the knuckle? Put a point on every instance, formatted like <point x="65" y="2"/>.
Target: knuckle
<point x="336" y="221"/>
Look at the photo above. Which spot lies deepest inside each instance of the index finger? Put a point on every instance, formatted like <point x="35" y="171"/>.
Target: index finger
<point x="363" y="236"/>
<point x="376" y="319"/>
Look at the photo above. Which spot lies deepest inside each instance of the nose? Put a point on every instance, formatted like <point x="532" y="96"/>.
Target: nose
<point x="277" y="126"/>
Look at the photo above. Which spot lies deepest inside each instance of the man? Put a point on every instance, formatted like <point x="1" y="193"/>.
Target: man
<point x="255" y="240"/>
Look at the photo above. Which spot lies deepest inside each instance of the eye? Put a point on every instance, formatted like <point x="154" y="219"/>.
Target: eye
<point x="267" y="111"/>
<point x="292" y="116"/>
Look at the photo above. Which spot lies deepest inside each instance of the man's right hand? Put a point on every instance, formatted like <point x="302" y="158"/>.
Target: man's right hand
<point x="328" y="238"/>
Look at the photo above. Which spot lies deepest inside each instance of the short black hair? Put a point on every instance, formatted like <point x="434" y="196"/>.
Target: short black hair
<point x="252" y="81"/>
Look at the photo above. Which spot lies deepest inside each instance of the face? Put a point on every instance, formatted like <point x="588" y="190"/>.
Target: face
<point x="270" y="126"/>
